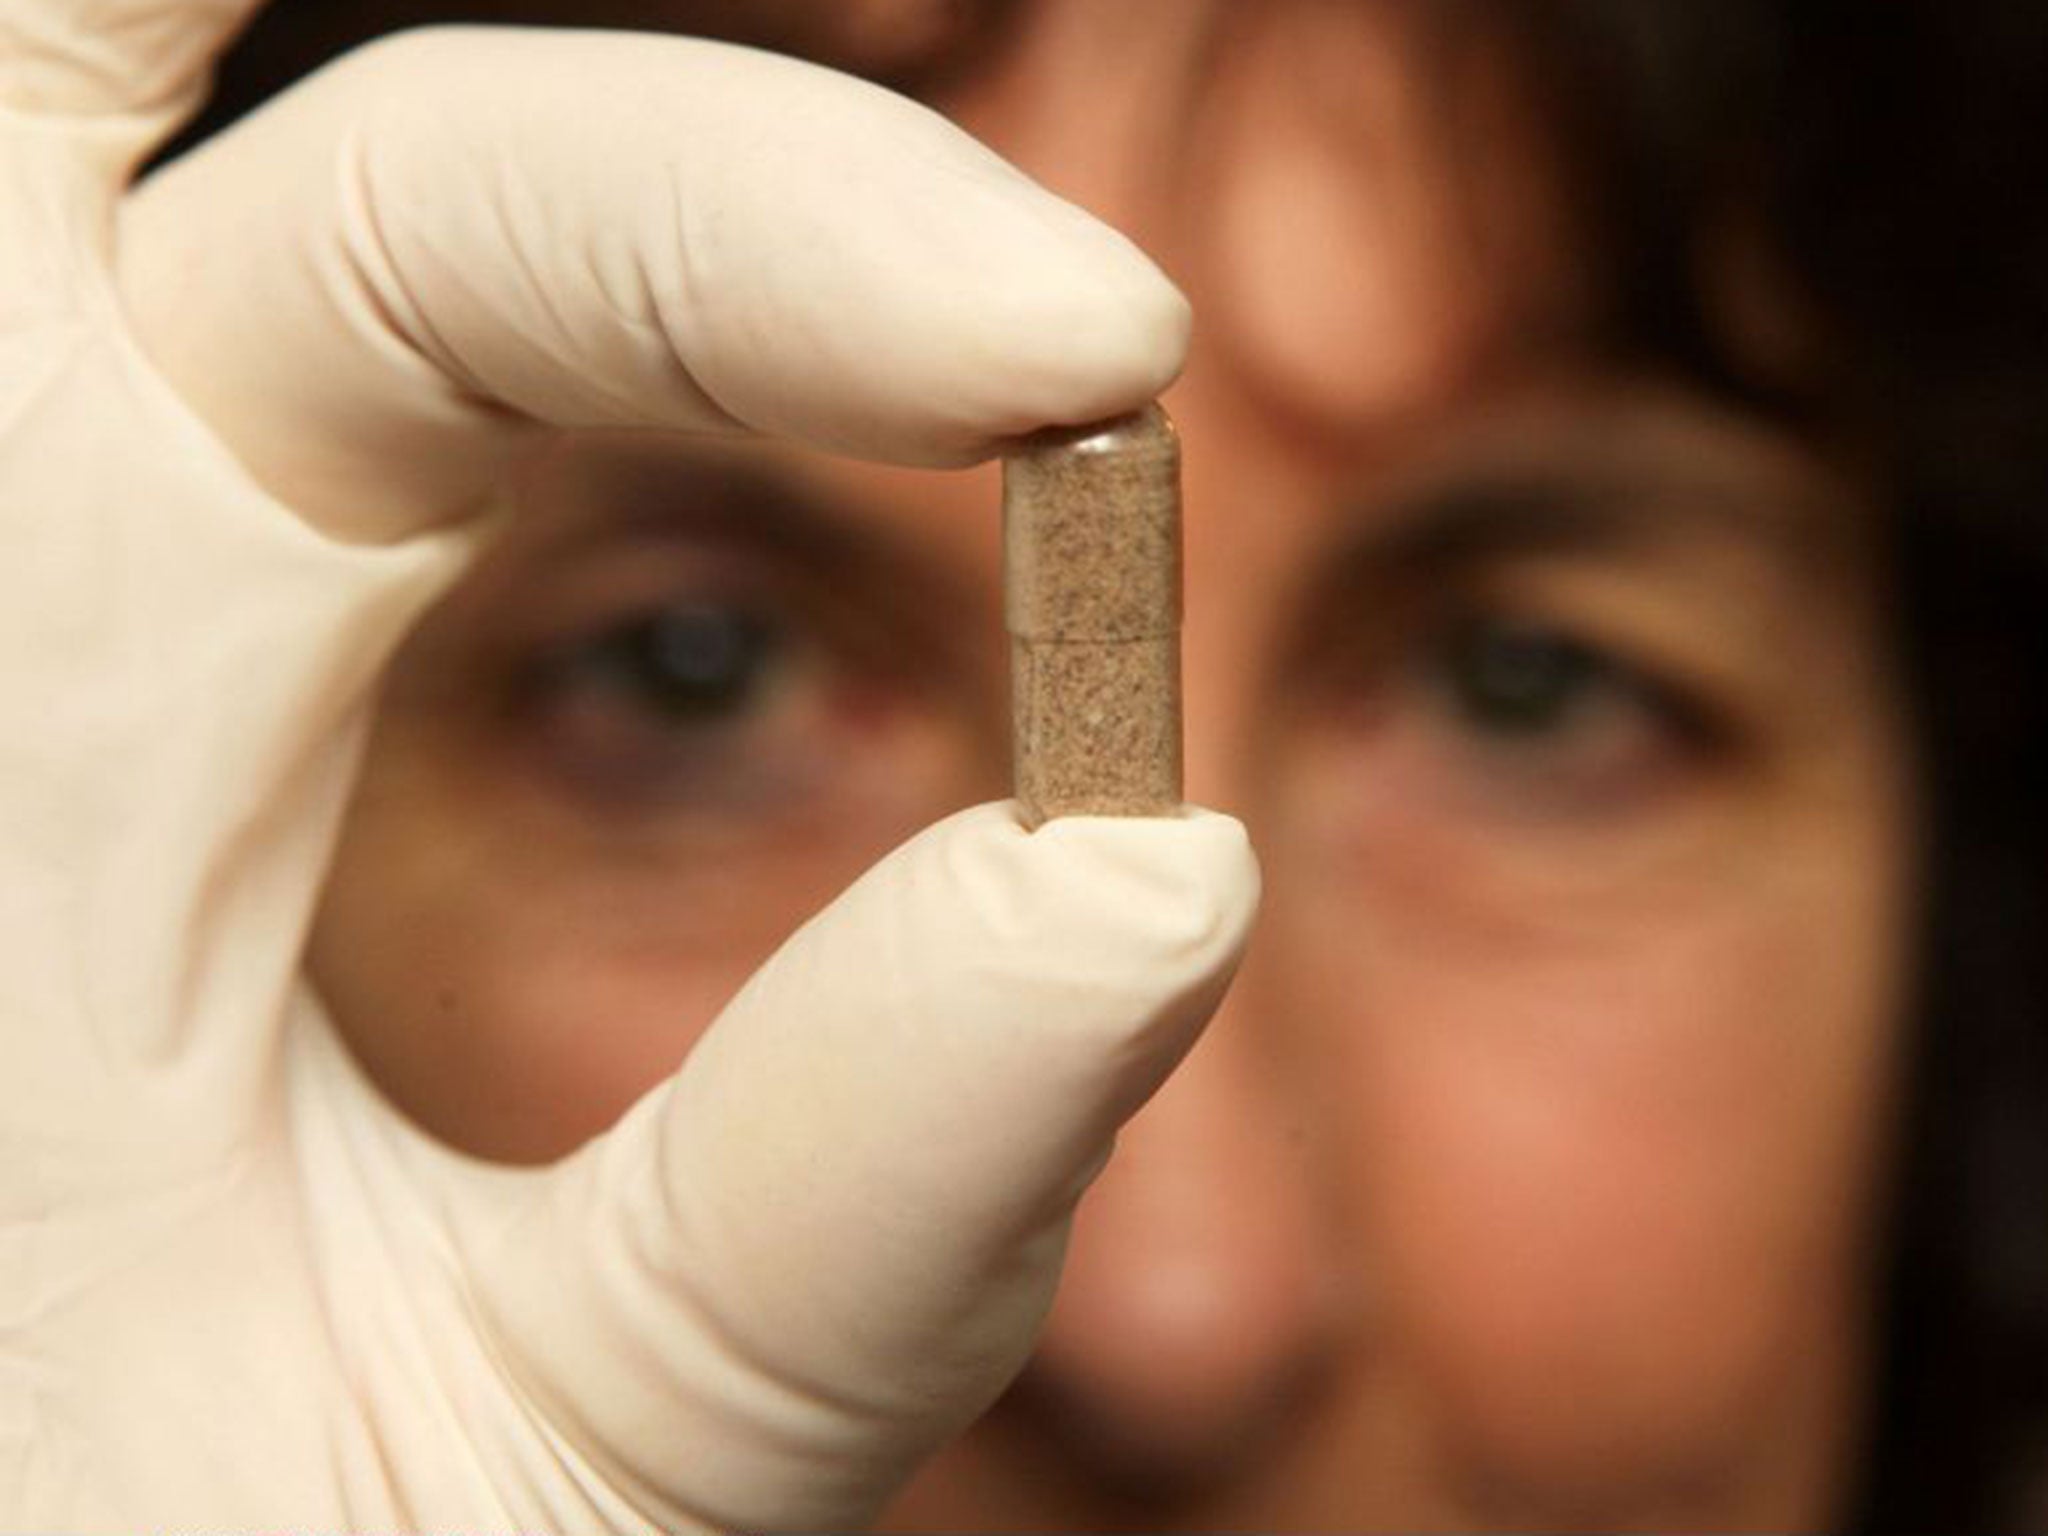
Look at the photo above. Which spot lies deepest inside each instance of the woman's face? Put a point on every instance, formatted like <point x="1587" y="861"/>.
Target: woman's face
<point x="1527" y="1176"/>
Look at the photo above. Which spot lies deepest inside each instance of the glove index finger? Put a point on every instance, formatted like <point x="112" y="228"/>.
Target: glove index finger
<point x="460" y="233"/>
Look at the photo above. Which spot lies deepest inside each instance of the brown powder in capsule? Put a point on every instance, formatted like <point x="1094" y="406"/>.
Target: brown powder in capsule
<point x="1092" y="578"/>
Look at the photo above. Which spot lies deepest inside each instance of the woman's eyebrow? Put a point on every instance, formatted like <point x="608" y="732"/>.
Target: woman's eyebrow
<point x="747" y="503"/>
<point x="1459" y="525"/>
<point x="778" y="513"/>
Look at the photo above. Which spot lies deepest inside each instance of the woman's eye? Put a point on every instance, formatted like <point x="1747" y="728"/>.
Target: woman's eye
<point x="691" y="662"/>
<point x="695" y="702"/>
<point x="1534" y="720"/>
<point x="1518" y="679"/>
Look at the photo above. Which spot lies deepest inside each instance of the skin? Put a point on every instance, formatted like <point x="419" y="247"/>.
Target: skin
<point x="1527" y="1177"/>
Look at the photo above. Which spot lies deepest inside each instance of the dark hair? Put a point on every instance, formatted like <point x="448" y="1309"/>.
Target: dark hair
<point x="1894" y="160"/>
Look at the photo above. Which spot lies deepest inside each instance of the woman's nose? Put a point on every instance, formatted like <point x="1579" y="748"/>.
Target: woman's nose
<point x="1198" y="1298"/>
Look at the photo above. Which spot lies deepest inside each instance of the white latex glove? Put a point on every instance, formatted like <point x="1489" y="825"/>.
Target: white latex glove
<point x="236" y="1290"/>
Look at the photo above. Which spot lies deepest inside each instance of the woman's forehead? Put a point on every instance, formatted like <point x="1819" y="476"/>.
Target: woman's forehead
<point x="1364" y="212"/>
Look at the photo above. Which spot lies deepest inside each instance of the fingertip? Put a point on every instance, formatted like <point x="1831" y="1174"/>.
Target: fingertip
<point x="1111" y="330"/>
<point x="1090" y="328"/>
<point x="1141" y="896"/>
<point x="1150" y="324"/>
<point x="1193" y="874"/>
<point x="923" y="328"/>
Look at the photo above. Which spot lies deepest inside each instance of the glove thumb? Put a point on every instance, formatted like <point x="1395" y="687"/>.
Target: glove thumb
<point x="825" y="1246"/>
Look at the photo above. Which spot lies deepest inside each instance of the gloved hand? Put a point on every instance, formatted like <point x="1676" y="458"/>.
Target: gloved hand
<point x="247" y="415"/>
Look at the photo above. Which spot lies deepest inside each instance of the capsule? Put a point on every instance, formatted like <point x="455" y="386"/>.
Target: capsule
<point x="1092" y="594"/>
